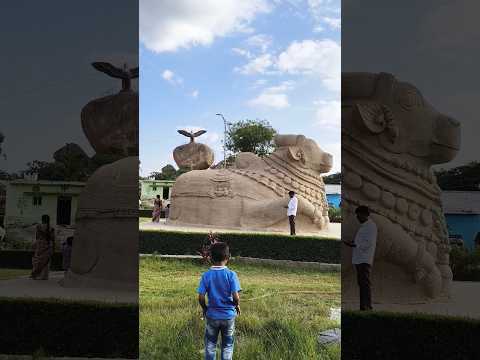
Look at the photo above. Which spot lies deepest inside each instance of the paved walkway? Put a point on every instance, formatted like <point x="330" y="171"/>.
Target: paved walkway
<point x="24" y="287"/>
<point x="463" y="302"/>
<point x="334" y="230"/>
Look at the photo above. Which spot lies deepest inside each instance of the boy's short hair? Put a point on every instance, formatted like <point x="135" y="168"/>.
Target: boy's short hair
<point x="362" y="209"/>
<point x="219" y="251"/>
<point x="291" y="192"/>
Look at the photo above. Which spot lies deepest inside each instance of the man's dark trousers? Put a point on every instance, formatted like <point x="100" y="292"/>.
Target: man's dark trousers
<point x="363" y="279"/>
<point x="291" y="219"/>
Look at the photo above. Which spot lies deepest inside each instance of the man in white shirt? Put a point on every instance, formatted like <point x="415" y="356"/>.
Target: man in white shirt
<point x="292" y="211"/>
<point x="363" y="253"/>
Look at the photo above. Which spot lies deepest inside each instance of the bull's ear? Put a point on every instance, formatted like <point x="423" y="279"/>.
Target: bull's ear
<point x="297" y="153"/>
<point x="373" y="117"/>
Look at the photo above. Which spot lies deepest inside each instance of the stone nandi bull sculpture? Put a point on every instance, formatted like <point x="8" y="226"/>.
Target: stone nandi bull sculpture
<point x="390" y="138"/>
<point x="253" y="194"/>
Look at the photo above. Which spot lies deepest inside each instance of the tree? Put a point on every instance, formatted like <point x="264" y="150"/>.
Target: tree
<point x="71" y="164"/>
<point x="169" y="172"/>
<point x="334" y="179"/>
<point x="254" y="136"/>
<point x="465" y="177"/>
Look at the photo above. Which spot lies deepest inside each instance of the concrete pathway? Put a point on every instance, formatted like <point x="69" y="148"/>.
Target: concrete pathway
<point x="463" y="302"/>
<point x="24" y="287"/>
<point x="334" y="230"/>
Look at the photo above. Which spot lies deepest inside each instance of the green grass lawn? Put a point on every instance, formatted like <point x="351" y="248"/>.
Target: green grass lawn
<point x="7" y="274"/>
<point x="283" y="311"/>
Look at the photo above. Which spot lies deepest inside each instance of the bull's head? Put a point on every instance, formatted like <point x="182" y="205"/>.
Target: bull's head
<point x="397" y="115"/>
<point x="304" y="152"/>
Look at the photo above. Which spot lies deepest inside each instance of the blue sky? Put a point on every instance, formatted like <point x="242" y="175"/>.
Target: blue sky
<point x="277" y="60"/>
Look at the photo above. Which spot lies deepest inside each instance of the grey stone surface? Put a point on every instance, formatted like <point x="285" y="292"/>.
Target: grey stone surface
<point x="253" y="194"/>
<point x="331" y="336"/>
<point x="391" y="137"/>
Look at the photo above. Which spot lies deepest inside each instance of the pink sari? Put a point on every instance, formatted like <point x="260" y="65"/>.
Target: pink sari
<point x="43" y="251"/>
<point x="157" y="208"/>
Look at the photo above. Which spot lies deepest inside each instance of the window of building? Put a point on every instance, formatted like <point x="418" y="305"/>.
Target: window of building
<point x="165" y="193"/>
<point x="154" y="187"/>
<point x="37" y="201"/>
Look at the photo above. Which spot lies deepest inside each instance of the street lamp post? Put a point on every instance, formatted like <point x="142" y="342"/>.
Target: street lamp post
<point x="224" y="141"/>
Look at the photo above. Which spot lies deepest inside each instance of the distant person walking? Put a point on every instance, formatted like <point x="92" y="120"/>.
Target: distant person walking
<point x="292" y="211"/>
<point x="43" y="247"/>
<point x="167" y="212"/>
<point x="363" y="253"/>
<point x="157" y="209"/>
<point x="67" y="253"/>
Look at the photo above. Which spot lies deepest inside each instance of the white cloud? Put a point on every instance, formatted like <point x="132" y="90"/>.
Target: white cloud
<point x="328" y="114"/>
<point x="318" y="57"/>
<point x="277" y="101"/>
<point x="260" y="41"/>
<point x="259" y="65"/>
<point x="168" y="75"/>
<point x="274" y="96"/>
<point x="169" y="25"/>
<point x="325" y="13"/>
<point x="334" y="23"/>
<point x="259" y="82"/>
<point x="171" y="77"/>
<point x="242" y="52"/>
<point x="195" y="93"/>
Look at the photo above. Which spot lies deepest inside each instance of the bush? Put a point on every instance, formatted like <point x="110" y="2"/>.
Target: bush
<point x="266" y="246"/>
<point x="465" y="265"/>
<point x="59" y="328"/>
<point x="380" y="335"/>
<point x="22" y="259"/>
<point x="335" y="214"/>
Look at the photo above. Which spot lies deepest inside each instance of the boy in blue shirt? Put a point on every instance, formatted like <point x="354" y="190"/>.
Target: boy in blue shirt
<point x="222" y="287"/>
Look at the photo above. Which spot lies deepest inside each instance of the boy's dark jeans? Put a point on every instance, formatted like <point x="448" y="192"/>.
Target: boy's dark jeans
<point x="212" y="329"/>
<point x="363" y="278"/>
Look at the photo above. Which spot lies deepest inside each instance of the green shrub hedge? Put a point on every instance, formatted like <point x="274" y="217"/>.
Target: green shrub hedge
<point x="22" y="259"/>
<point x="266" y="246"/>
<point x="61" y="328"/>
<point x="335" y="214"/>
<point x="381" y="335"/>
<point x="465" y="264"/>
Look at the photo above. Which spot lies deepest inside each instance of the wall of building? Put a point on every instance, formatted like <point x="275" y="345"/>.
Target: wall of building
<point x="467" y="225"/>
<point x="334" y="200"/>
<point x="20" y="208"/>
<point x="148" y="193"/>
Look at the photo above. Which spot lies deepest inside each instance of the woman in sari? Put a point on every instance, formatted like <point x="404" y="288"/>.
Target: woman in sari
<point x="157" y="209"/>
<point x="44" y="247"/>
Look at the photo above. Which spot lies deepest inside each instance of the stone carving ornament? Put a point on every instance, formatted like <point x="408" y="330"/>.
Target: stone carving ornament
<point x="105" y="245"/>
<point x="253" y="193"/>
<point x="391" y="137"/>
<point x="193" y="156"/>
